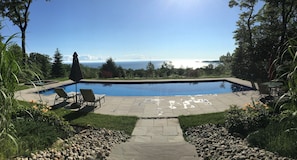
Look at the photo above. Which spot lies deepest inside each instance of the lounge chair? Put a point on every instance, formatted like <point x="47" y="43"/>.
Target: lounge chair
<point x="62" y="94"/>
<point x="265" y="94"/>
<point x="88" y="96"/>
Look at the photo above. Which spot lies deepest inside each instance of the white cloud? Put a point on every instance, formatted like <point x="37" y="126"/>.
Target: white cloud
<point x="82" y="58"/>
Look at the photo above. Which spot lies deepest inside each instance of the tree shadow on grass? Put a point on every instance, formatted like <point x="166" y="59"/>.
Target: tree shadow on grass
<point x="79" y="113"/>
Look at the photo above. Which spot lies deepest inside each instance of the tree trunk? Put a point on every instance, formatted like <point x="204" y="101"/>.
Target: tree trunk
<point x="24" y="46"/>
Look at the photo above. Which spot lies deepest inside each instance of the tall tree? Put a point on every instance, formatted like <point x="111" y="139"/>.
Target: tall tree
<point x="277" y="25"/>
<point x="18" y="12"/>
<point x="57" y="66"/>
<point x="261" y="33"/>
<point x="244" y="35"/>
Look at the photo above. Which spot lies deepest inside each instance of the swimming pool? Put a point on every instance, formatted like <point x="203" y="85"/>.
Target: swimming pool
<point x="156" y="89"/>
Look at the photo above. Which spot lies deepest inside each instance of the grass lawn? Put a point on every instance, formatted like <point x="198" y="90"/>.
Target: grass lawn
<point x="121" y="123"/>
<point x="196" y="120"/>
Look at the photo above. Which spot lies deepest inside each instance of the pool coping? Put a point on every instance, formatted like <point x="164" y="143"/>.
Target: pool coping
<point x="68" y="82"/>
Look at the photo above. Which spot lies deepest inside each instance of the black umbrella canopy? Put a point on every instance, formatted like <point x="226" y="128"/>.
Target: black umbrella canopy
<point x="75" y="73"/>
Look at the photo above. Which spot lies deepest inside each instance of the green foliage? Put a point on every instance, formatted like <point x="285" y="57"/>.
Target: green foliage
<point x="18" y="13"/>
<point x="40" y="112"/>
<point x="57" y="67"/>
<point x="278" y="137"/>
<point x="226" y="63"/>
<point x="261" y="32"/>
<point x="40" y="64"/>
<point x="8" y="148"/>
<point x="248" y="119"/>
<point x="88" y="72"/>
<point x="9" y="69"/>
<point x="38" y="128"/>
<point x="16" y="50"/>
<point x="287" y="72"/>
<point x="166" y="69"/>
<point x="33" y="136"/>
<point x="109" y="69"/>
<point x="195" y="120"/>
<point x="150" y="69"/>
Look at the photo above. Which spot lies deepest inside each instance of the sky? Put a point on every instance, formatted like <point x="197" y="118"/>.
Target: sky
<point x="130" y="29"/>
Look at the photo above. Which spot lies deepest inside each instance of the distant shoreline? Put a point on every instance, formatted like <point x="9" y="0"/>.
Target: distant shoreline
<point x="141" y="64"/>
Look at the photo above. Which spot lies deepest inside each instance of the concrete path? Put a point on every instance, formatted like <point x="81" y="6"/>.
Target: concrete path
<point x="155" y="139"/>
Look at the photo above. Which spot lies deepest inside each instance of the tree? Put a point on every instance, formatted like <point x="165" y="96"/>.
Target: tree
<point x="40" y="63"/>
<point x="109" y="69"/>
<point x="260" y="34"/>
<point x="16" y="50"/>
<point x="166" y="69"/>
<point x="150" y="68"/>
<point x="57" y="66"/>
<point x="226" y="61"/>
<point x="121" y="72"/>
<point x="244" y="36"/>
<point x="18" y="12"/>
<point x="277" y="25"/>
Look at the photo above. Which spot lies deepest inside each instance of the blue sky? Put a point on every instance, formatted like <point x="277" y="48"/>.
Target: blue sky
<point x="130" y="29"/>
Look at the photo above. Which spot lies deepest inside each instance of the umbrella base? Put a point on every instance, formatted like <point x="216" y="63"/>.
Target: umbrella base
<point x="75" y="105"/>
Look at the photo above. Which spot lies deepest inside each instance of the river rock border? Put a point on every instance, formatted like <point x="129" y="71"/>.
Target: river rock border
<point x="211" y="142"/>
<point x="215" y="142"/>
<point x="87" y="144"/>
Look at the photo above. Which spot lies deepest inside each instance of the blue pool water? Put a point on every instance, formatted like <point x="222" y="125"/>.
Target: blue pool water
<point x="156" y="89"/>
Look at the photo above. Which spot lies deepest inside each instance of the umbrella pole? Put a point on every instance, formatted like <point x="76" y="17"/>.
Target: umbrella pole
<point x="75" y="92"/>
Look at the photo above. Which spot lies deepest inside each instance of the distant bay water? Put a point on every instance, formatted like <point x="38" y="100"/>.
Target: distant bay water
<point x="157" y="64"/>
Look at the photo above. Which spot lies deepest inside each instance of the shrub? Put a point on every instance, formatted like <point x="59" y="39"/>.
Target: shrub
<point x="35" y="135"/>
<point x="38" y="128"/>
<point x="278" y="137"/>
<point x="247" y="119"/>
<point x="41" y="112"/>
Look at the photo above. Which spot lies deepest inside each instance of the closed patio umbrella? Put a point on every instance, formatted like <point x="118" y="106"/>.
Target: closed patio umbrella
<point x="75" y="73"/>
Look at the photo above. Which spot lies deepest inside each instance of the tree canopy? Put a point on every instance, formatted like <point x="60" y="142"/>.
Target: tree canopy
<point x="17" y="11"/>
<point x="260" y="35"/>
<point x="57" y="66"/>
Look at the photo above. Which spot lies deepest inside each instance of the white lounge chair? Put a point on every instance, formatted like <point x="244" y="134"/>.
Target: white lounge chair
<point x="88" y="96"/>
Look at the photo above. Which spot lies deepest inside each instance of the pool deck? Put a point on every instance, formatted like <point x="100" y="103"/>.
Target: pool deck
<point x="157" y="134"/>
<point x="156" y="106"/>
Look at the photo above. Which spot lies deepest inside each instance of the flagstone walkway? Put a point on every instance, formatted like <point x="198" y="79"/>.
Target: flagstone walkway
<point x="157" y="139"/>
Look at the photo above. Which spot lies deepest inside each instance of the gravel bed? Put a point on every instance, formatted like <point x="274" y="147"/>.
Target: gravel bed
<point x="87" y="144"/>
<point x="214" y="142"/>
<point x="211" y="142"/>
